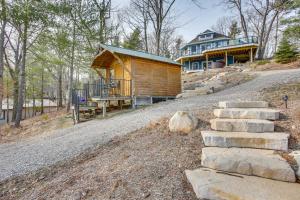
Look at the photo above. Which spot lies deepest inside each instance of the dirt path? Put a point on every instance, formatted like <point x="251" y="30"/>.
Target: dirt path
<point x="34" y="153"/>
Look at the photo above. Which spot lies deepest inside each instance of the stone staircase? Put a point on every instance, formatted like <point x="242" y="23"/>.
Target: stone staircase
<point x="240" y="151"/>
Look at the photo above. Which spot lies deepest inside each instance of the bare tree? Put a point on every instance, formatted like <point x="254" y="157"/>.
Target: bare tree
<point x="223" y="25"/>
<point x="136" y="16"/>
<point x="158" y="12"/>
<point x="260" y="15"/>
<point x="2" y="38"/>
<point x="239" y="6"/>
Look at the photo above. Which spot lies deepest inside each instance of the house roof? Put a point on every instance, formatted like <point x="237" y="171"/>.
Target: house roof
<point x="216" y="36"/>
<point x="139" y="54"/>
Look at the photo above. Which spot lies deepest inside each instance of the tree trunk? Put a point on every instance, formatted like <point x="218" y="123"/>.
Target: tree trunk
<point x="15" y="100"/>
<point x="22" y="77"/>
<point x="71" y="69"/>
<point x="276" y="34"/>
<point x="60" y="92"/>
<point x="146" y="36"/>
<point x="2" y="37"/>
<point x="42" y="92"/>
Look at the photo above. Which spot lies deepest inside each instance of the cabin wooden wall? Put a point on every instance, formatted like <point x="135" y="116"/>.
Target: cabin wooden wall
<point x="119" y="69"/>
<point x="153" y="78"/>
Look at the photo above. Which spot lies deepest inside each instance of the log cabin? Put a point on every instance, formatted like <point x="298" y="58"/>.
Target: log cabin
<point x="137" y="76"/>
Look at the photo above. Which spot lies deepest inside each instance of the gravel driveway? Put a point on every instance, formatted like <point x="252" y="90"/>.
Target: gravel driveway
<point x="33" y="153"/>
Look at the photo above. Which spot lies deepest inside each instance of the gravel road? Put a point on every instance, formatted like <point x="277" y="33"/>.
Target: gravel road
<point x="39" y="151"/>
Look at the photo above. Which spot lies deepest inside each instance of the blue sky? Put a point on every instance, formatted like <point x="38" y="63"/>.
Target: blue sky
<point x="191" y="18"/>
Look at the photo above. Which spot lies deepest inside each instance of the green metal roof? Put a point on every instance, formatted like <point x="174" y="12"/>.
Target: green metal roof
<point x="139" y="54"/>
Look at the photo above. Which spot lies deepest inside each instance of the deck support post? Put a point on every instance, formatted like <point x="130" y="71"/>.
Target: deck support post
<point x="104" y="109"/>
<point x="251" y="55"/>
<point x="226" y="59"/>
<point x="206" y="68"/>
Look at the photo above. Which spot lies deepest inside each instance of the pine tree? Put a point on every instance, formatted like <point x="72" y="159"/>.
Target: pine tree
<point x="292" y="22"/>
<point x="134" y="42"/>
<point x="286" y="52"/>
<point x="234" y="30"/>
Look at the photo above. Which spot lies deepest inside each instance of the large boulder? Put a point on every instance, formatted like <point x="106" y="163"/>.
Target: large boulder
<point x="296" y="156"/>
<point x="216" y="185"/>
<point x="183" y="122"/>
<point x="257" y="162"/>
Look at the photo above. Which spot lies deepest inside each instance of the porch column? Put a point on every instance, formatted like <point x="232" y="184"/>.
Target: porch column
<point x="206" y="68"/>
<point x="251" y="55"/>
<point x="226" y="59"/>
<point x="189" y="64"/>
<point x="107" y="74"/>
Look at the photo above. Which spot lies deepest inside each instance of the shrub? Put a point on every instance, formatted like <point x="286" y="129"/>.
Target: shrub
<point x="45" y="117"/>
<point x="262" y="62"/>
<point x="286" y="52"/>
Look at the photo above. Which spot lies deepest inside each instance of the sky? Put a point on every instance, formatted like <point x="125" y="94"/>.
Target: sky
<point x="191" y="19"/>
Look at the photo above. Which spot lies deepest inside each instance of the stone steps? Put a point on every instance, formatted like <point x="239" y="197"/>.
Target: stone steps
<point x="243" y="104"/>
<point x="242" y="125"/>
<point x="274" y="141"/>
<point x="257" y="162"/>
<point x="247" y="113"/>
<point x="243" y="142"/>
<point x="216" y="185"/>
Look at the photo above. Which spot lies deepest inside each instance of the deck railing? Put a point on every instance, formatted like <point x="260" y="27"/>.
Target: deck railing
<point x="103" y="88"/>
<point x="217" y="44"/>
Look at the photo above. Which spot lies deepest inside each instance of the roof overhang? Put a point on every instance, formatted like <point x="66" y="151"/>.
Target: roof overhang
<point x="104" y="58"/>
<point x="109" y="52"/>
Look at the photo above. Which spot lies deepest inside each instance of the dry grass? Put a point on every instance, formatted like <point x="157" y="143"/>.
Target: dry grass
<point x="272" y="65"/>
<point x="290" y="118"/>
<point x="146" y="164"/>
<point x="236" y="78"/>
<point x="35" y="126"/>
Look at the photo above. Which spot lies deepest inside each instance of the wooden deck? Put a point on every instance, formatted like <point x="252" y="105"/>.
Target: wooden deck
<point x="110" y="98"/>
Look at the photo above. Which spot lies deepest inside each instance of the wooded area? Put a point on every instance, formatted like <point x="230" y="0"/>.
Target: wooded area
<point x="46" y="46"/>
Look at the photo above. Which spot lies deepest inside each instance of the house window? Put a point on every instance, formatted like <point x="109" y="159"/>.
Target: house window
<point x="195" y="66"/>
<point x="193" y="49"/>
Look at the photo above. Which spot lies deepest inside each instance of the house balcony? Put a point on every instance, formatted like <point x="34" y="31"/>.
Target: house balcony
<point x="231" y="43"/>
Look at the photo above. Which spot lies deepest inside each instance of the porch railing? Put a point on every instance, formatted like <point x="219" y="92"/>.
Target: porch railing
<point x="217" y="44"/>
<point x="103" y="88"/>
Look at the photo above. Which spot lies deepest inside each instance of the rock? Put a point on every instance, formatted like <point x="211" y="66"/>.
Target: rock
<point x="183" y="122"/>
<point x="215" y="185"/>
<point x="243" y="104"/>
<point x="242" y="125"/>
<point x="296" y="156"/>
<point x="178" y="96"/>
<point x="247" y="113"/>
<point x="257" y="162"/>
<point x="275" y="141"/>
